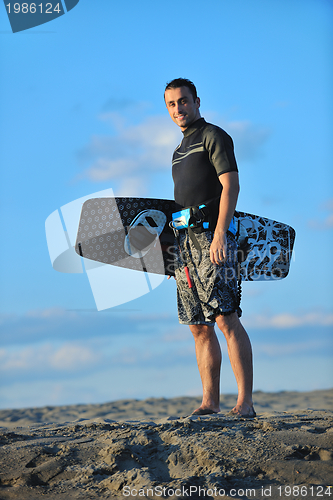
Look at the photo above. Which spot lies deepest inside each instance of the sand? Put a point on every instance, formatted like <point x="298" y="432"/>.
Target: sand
<point x="155" y="449"/>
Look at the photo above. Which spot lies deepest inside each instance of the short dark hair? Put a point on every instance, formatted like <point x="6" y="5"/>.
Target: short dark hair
<point x="182" y="82"/>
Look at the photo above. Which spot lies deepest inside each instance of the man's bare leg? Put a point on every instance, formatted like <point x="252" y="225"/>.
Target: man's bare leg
<point x="240" y="355"/>
<point x="209" y="357"/>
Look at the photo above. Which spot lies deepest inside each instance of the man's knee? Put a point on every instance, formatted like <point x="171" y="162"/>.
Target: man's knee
<point x="227" y="323"/>
<point x="202" y="331"/>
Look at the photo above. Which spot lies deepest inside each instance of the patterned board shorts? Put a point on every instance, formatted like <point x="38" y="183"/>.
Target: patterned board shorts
<point x="214" y="289"/>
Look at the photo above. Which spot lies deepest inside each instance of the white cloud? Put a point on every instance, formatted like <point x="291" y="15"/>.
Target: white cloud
<point x="135" y="149"/>
<point x="180" y="334"/>
<point x="40" y="326"/>
<point x="72" y="356"/>
<point x="287" y="320"/>
<point x="132" y="356"/>
<point x="52" y="312"/>
<point x="104" y="169"/>
<point x="134" y="186"/>
<point x="68" y="357"/>
<point x="248" y="137"/>
<point x="285" y="349"/>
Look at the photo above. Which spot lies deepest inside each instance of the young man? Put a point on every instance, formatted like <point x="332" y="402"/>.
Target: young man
<point x="204" y="171"/>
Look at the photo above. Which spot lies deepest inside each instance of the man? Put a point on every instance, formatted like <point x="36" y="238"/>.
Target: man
<point x="204" y="169"/>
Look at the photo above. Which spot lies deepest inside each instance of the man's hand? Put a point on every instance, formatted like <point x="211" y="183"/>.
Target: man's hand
<point x="218" y="248"/>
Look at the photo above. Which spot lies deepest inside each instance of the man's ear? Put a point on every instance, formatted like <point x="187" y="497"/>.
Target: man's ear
<point x="198" y="102"/>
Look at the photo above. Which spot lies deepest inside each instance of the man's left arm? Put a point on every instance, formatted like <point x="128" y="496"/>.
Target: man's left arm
<point x="228" y="201"/>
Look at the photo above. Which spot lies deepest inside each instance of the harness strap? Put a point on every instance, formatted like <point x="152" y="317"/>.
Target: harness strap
<point x="199" y="217"/>
<point x="187" y="272"/>
<point x="195" y="242"/>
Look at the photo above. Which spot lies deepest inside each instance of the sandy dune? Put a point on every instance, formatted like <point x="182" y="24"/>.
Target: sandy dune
<point x="154" y="449"/>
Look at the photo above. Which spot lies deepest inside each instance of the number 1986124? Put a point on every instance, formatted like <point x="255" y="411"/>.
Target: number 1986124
<point x="305" y="491"/>
<point x="32" y="8"/>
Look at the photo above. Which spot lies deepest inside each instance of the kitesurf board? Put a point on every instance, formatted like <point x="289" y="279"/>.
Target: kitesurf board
<point x="134" y="233"/>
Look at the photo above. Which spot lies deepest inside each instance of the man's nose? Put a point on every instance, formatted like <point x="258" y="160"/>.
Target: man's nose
<point x="179" y="107"/>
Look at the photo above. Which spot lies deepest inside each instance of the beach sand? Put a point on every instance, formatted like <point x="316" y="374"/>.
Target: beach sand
<point x="155" y="449"/>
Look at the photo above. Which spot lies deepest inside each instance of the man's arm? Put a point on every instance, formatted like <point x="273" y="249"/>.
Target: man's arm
<point x="228" y="201"/>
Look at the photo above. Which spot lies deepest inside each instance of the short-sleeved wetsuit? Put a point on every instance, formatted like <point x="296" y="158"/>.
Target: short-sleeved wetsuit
<point x="205" y="153"/>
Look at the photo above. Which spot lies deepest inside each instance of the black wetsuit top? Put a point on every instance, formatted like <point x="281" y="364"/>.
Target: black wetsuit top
<point x="205" y="152"/>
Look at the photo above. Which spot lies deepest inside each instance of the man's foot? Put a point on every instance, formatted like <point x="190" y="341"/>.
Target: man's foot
<point x="243" y="411"/>
<point x="204" y="411"/>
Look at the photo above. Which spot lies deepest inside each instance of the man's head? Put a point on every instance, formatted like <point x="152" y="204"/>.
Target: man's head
<point x="182" y="102"/>
<point x="182" y="82"/>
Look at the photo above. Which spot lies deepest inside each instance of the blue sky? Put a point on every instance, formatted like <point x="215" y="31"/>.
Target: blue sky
<point x="82" y="111"/>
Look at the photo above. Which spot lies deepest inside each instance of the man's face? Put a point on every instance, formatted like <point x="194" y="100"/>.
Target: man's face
<point x="182" y="109"/>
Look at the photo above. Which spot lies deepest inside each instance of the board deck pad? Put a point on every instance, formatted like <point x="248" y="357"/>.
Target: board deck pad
<point x="134" y="233"/>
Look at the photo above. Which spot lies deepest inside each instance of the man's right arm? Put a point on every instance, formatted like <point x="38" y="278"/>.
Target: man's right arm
<point x="228" y="201"/>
